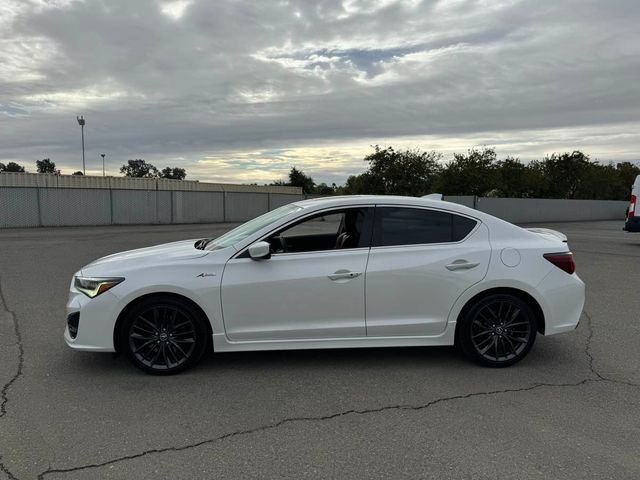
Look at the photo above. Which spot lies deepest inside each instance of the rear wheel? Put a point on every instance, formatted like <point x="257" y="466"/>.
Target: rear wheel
<point x="163" y="336"/>
<point x="497" y="331"/>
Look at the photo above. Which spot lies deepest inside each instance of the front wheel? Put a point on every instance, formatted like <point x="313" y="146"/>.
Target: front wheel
<point x="497" y="331"/>
<point x="163" y="336"/>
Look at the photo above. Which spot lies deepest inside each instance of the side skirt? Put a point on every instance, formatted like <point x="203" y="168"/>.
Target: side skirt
<point x="222" y="344"/>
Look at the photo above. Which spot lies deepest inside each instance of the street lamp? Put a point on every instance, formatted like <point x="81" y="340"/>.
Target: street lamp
<point x="81" y="123"/>
<point x="102" y="155"/>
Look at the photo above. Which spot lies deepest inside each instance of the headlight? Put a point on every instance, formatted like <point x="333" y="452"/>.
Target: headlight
<point x="93" y="286"/>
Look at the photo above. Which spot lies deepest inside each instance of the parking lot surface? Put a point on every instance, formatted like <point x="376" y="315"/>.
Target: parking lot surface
<point x="571" y="409"/>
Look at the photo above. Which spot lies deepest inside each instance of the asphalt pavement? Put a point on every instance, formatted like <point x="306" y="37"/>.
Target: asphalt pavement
<point x="570" y="410"/>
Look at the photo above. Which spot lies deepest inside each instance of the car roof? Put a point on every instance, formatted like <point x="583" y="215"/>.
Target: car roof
<point x="321" y="202"/>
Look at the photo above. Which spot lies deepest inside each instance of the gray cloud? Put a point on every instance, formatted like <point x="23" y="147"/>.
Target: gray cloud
<point x="220" y="80"/>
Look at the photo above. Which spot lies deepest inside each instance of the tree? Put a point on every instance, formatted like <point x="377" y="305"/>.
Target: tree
<point x="12" y="167"/>
<point x="601" y="182"/>
<point x="479" y="172"/>
<point x="537" y="179"/>
<point x="139" y="169"/>
<point x="470" y="174"/>
<point x="627" y="172"/>
<point x="515" y="179"/>
<point x="2" y="167"/>
<point x="78" y="173"/>
<point x="565" y="173"/>
<point x="362" y="184"/>
<point x="396" y="172"/>
<point x="324" y="189"/>
<point x="297" y="178"/>
<point x="401" y="172"/>
<point x="173" y="173"/>
<point x="45" y="166"/>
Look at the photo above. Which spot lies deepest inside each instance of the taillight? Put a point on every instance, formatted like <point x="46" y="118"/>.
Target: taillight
<point x="632" y="207"/>
<point x="563" y="261"/>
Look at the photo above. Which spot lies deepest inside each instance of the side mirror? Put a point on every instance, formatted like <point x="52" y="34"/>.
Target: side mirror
<point x="260" y="251"/>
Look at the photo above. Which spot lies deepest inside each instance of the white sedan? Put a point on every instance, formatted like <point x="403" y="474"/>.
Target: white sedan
<point x="338" y="272"/>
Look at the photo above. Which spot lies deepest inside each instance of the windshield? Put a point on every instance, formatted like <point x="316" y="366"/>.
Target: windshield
<point x="252" y="226"/>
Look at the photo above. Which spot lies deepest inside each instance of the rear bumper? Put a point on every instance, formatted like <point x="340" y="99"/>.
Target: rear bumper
<point x="564" y="297"/>
<point x="632" y="224"/>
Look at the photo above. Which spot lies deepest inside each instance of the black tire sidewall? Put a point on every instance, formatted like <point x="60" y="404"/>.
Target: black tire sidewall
<point x="463" y="333"/>
<point x="187" y="309"/>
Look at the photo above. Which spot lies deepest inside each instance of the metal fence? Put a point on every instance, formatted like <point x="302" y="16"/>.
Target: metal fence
<point x="57" y="207"/>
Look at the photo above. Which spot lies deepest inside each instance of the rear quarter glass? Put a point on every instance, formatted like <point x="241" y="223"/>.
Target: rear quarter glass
<point x="462" y="226"/>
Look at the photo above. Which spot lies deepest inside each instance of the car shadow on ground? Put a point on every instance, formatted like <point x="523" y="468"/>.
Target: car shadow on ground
<point x="336" y="361"/>
<point x="343" y="357"/>
<point x="106" y="364"/>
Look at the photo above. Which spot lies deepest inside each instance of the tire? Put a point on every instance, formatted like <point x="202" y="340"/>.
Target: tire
<point x="163" y="335"/>
<point x="497" y="331"/>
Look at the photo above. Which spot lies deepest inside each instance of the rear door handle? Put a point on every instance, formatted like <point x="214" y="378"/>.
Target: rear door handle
<point x="343" y="274"/>
<point x="462" y="265"/>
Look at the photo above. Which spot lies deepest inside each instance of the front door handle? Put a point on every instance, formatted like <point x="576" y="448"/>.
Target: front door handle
<point x="344" y="274"/>
<point x="461" y="265"/>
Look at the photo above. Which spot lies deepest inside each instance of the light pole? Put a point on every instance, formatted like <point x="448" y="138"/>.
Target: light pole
<point x="81" y="123"/>
<point x="102" y="155"/>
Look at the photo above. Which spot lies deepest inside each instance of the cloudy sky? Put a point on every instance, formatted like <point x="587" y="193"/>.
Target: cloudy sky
<point x="241" y="90"/>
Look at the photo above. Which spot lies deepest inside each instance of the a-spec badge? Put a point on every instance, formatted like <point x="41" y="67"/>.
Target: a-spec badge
<point x="206" y="275"/>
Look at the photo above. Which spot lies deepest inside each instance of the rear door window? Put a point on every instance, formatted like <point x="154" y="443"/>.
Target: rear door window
<point x="415" y="226"/>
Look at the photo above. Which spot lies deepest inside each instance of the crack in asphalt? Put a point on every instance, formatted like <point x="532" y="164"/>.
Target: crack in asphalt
<point x="6" y="471"/>
<point x="591" y="358"/>
<point x="5" y="389"/>
<point x="285" y="421"/>
<point x="587" y="347"/>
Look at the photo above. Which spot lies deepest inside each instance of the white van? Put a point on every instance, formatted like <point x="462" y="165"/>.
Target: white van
<point x="633" y="221"/>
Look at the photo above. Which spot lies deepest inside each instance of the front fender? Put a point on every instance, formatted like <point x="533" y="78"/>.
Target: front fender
<point x="205" y="295"/>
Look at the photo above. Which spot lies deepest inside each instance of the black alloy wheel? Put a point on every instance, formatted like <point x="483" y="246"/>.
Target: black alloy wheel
<point x="164" y="336"/>
<point x="498" y="331"/>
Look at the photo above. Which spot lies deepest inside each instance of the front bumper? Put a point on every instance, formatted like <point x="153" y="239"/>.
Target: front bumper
<point x="96" y="323"/>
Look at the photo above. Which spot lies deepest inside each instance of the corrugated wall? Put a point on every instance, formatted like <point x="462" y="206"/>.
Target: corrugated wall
<point x="466" y="200"/>
<point x="242" y="206"/>
<point x="198" y="207"/>
<point x="45" y="206"/>
<point x="19" y="207"/>
<point x="131" y="207"/>
<point x="49" y="207"/>
<point x="278" y="200"/>
<point x="529" y="210"/>
<point x="532" y="210"/>
<point x="73" y="206"/>
<point x="15" y="179"/>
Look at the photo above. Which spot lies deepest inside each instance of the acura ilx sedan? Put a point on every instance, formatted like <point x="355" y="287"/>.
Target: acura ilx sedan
<point x="338" y="272"/>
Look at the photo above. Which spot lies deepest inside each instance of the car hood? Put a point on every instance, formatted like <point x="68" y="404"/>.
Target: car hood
<point x="141" y="257"/>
